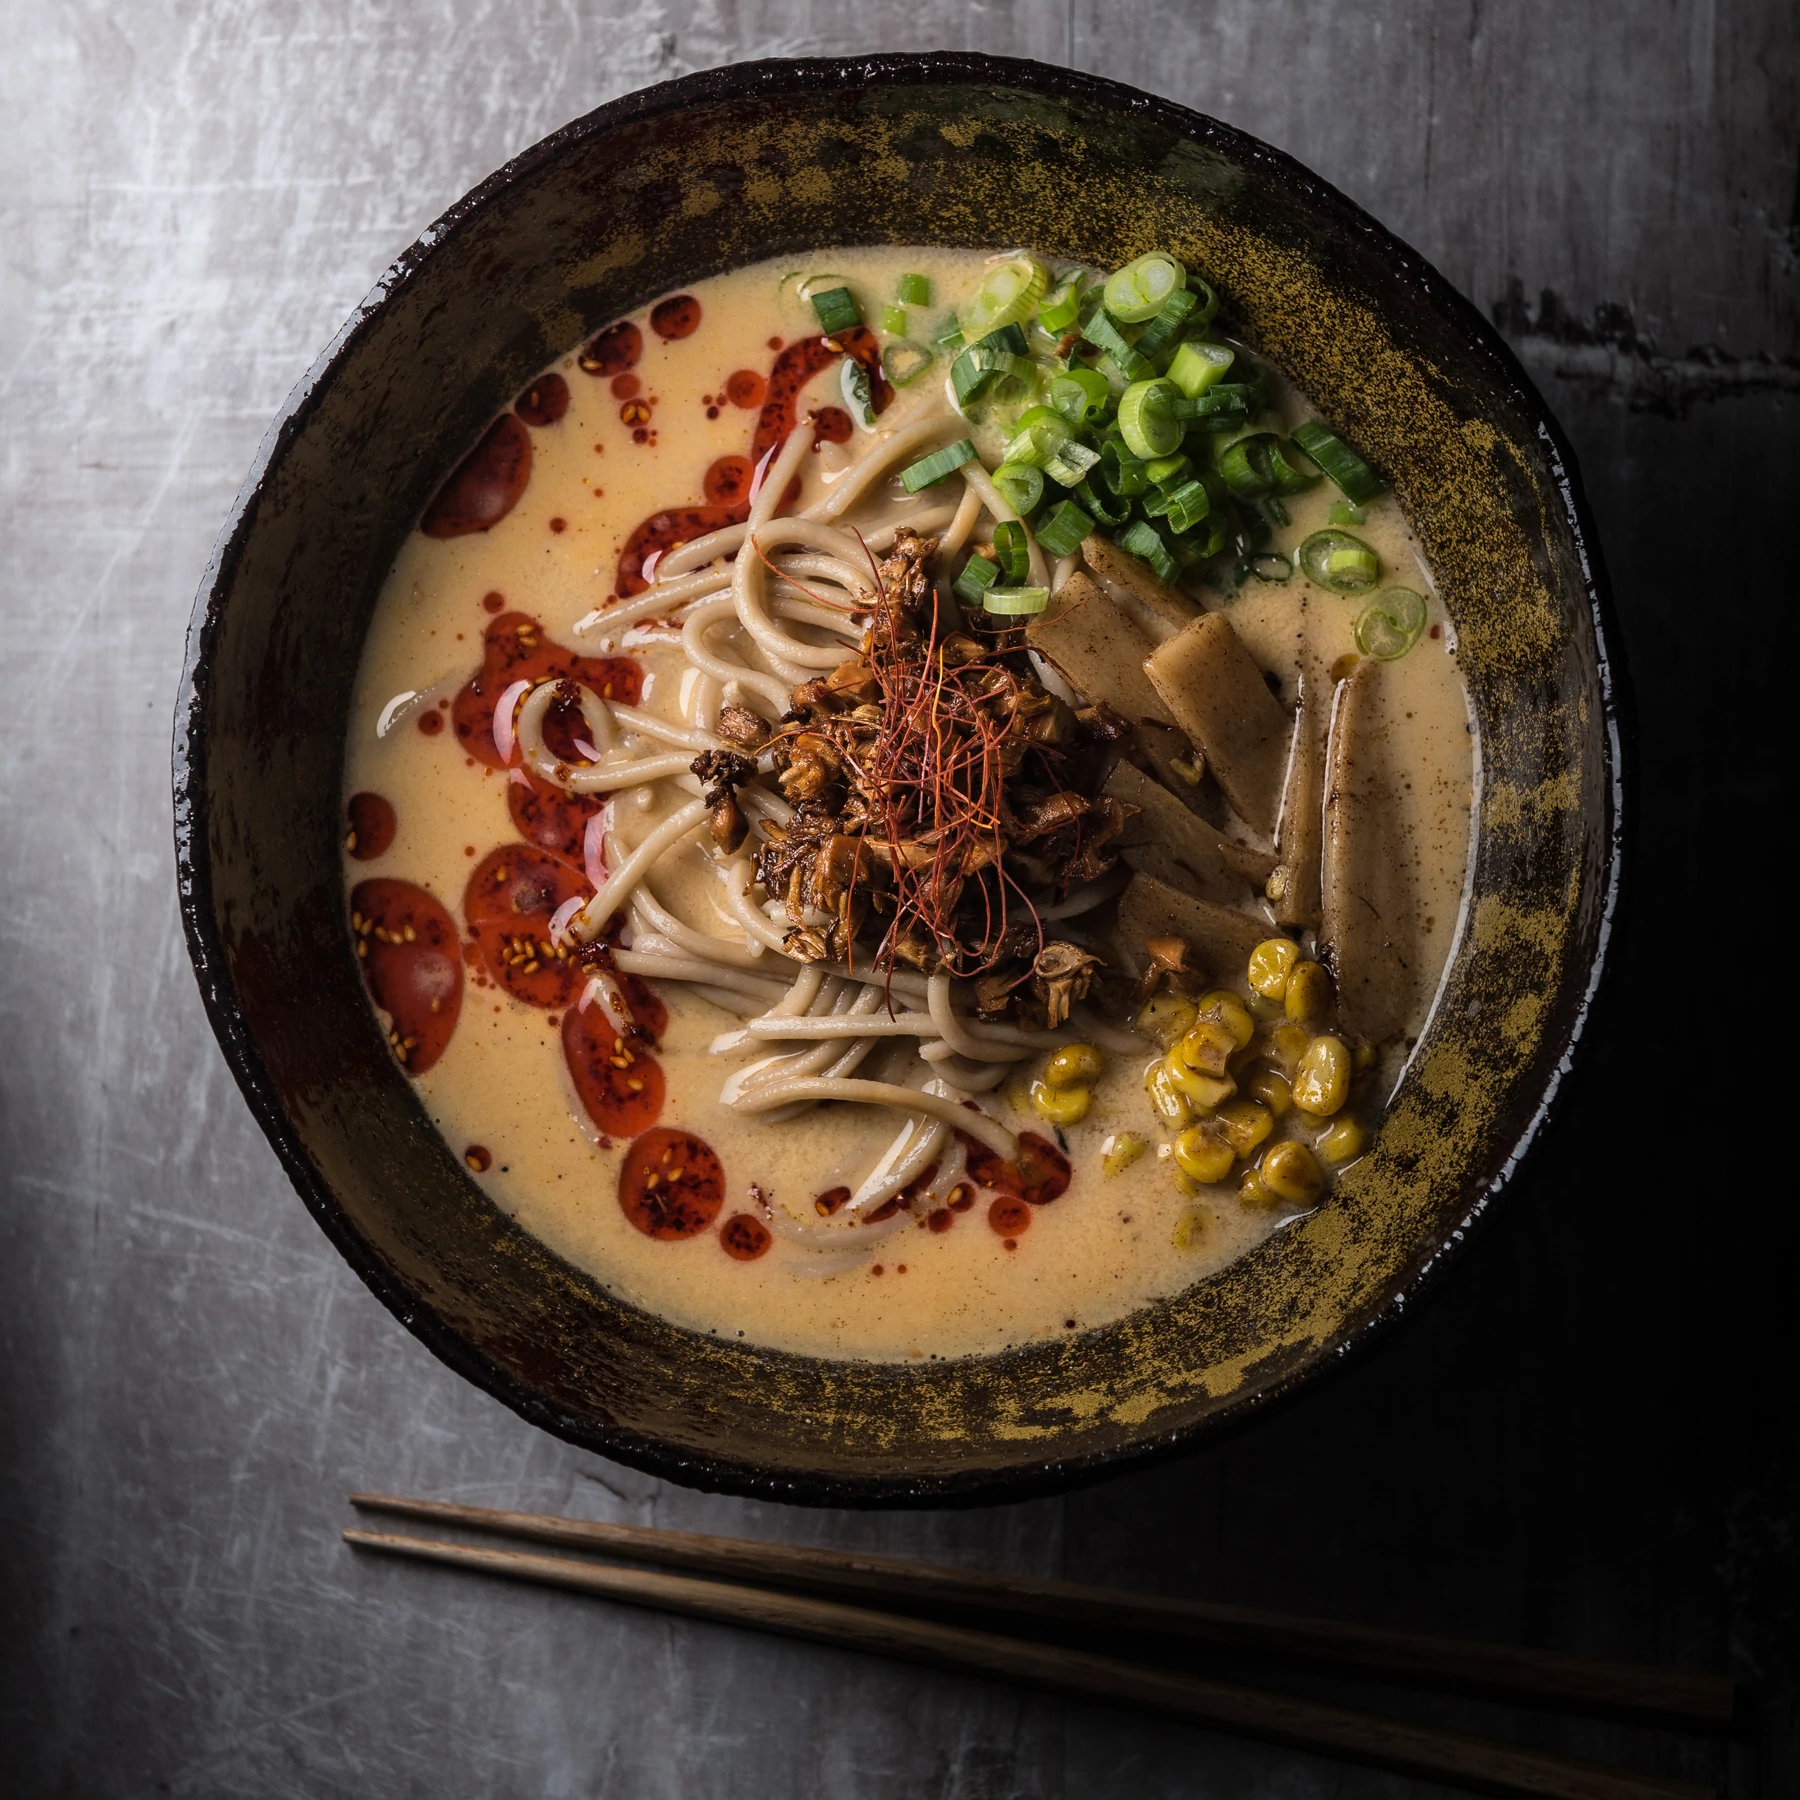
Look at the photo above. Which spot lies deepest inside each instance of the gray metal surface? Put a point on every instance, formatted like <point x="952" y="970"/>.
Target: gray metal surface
<point x="1567" y="1449"/>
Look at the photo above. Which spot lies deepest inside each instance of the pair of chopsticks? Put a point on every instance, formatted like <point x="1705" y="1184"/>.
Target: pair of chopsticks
<point x="865" y="1603"/>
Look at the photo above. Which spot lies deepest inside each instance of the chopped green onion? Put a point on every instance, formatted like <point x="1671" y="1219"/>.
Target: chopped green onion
<point x="1161" y="332"/>
<point x="1008" y="294"/>
<point x="1013" y="550"/>
<point x="1018" y="602"/>
<point x="1095" y="503"/>
<point x="1167" y="471"/>
<point x="1185" y="506"/>
<point x="1081" y="395"/>
<point x="1209" y="301"/>
<point x="1021" y="486"/>
<point x="893" y="320"/>
<point x="1204" y="540"/>
<point x="853" y="384"/>
<point x="1269" y="567"/>
<point x="1198" y="366"/>
<point x="1039" y="435"/>
<point x="1354" y="476"/>
<point x="914" y="290"/>
<point x="837" y="310"/>
<point x="929" y="470"/>
<point x="985" y="368"/>
<point x="1148" y="420"/>
<point x="978" y="575"/>
<point x="1069" y="466"/>
<point x="1275" y="511"/>
<point x="1336" y="560"/>
<point x="1125" y="474"/>
<point x="1390" y="625"/>
<point x="1101" y="330"/>
<point x="1144" y="540"/>
<point x="1246" y="472"/>
<point x="1347" y="512"/>
<point x="949" y="337"/>
<point x="1057" y="313"/>
<point x="1062" y="529"/>
<point x="1287" y="478"/>
<point x="1227" y="397"/>
<point x="1141" y="289"/>
<point x="905" y="362"/>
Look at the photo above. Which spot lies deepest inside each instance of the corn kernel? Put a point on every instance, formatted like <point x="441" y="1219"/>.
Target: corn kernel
<point x="1362" y="1056"/>
<point x="1285" y="1045"/>
<point x="1190" y="1229"/>
<point x="1291" y="1172"/>
<point x="1222" y="1004"/>
<point x="1244" y="1125"/>
<point x="1308" y="995"/>
<point x="1121" y="1150"/>
<point x="1322" y="1081"/>
<point x="1270" y="963"/>
<point x="1166" y="1018"/>
<point x="1073" y="1063"/>
<point x="1344" y="1142"/>
<point x="1203" y="1092"/>
<point x="1252" y="1191"/>
<point x="1271" y="1090"/>
<point x="1168" y="1102"/>
<point x="1209" y="1047"/>
<point x="1061" y="1105"/>
<point x="1202" y="1153"/>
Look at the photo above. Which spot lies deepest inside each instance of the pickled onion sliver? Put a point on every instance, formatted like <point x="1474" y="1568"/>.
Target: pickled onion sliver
<point x="559" y="920"/>
<point x="762" y="468"/>
<point x="593" y="847"/>
<point x="649" y="569"/>
<point x="504" y="708"/>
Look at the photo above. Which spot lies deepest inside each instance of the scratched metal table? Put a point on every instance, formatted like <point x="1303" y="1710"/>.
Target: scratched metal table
<point x="1569" y="1448"/>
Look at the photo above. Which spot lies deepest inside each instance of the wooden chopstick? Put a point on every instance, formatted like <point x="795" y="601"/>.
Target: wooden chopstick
<point x="1479" y="1764"/>
<point x="1497" y="1671"/>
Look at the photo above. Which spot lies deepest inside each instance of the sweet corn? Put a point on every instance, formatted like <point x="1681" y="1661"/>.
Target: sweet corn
<point x="1271" y="1090"/>
<point x="1203" y="1092"/>
<point x="1308" y="995"/>
<point x="1209" y="1046"/>
<point x="1121" y="1150"/>
<point x="1166" y="1018"/>
<point x="1168" y="1102"/>
<point x="1252" y="1191"/>
<point x="1190" y="1228"/>
<point x="1243" y="1124"/>
<point x="1202" y="1153"/>
<point x="1291" y="1172"/>
<point x="1061" y="1105"/>
<point x="1073" y="1063"/>
<point x="1222" y="1004"/>
<point x="1284" y="1047"/>
<point x="1344" y="1142"/>
<point x="1322" y="1081"/>
<point x="1270" y="963"/>
<point x="1362" y="1056"/>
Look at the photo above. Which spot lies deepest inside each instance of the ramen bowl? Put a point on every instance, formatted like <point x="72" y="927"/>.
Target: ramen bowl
<point x="641" y="198"/>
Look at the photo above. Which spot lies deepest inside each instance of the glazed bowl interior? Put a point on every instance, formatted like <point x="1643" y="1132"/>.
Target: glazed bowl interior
<point x="643" y="198"/>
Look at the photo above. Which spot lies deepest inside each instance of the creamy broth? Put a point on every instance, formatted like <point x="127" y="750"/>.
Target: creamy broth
<point x="942" y="1283"/>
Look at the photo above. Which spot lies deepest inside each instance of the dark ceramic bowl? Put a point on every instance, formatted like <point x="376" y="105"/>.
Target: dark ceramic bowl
<point x="643" y="197"/>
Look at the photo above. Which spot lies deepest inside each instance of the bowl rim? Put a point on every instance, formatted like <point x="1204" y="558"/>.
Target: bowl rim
<point x="737" y="82"/>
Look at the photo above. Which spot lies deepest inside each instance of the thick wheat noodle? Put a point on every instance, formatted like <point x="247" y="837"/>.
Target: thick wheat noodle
<point x="693" y="968"/>
<point x="886" y="1093"/>
<point x="528" y="726"/>
<point x="838" y="569"/>
<point x="608" y="777"/>
<point x="802" y="994"/>
<point x="747" y="572"/>
<point x="729" y="539"/>
<point x="968" y="511"/>
<point x="875" y="461"/>
<point x="695" y="943"/>
<point x="770" y="689"/>
<point x="978" y="478"/>
<point x="956" y="1032"/>
<point x="725" y="999"/>
<point x="815" y="1061"/>
<point x="653" y="603"/>
<point x="745" y="910"/>
<point x="899" y="1165"/>
<point x="759" y="803"/>
<point x="620" y="881"/>
<point x="968" y="1079"/>
<point x="629" y="718"/>
<point x="906" y="1024"/>
<point x="792" y="603"/>
<point x="939" y="1051"/>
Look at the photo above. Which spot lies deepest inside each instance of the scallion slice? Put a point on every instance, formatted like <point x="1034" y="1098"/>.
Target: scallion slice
<point x="893" y="320"/>
<point x="837" y="310"/>
<point x="1016" y="602"/>
<point x="1353" y="476"/>
<point x="905" y="362"/>
<point x="1060" y="310"/>
<point x="913" y="290"/>
<point x="1062" y="528"/>
<point x="929" y="470"/>
<point x="1185" y="506"/>
<point x="1198" y="366"/>
<point x="1008" y="294"/>
<point x="1071" y="465"/>
<point x="1141" y="289"/>
<point x="1148" y="420"/>
<point x="1106" y="337"/>
<point x="1390" y="625"/>
<point x="1169" y="471"/>
<point x="1161" y="332"/>
<point x="853" y="384"/>
<point x="1126" y="475"/>
<point x="985" y="368"/>
<point x="1021" y="486"/>
<point x="1143" y="539"/>
<point x="1204" y="540"/>
<point x="1039" y="434"/>
<point x="1012" y="549"/>
<point x="1245" y="467"/>
<point x="978" y="575"/>
<point x="1081" y="395"/>
<point x="1336" y="560"/>
<point x="1097" y="504"/>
